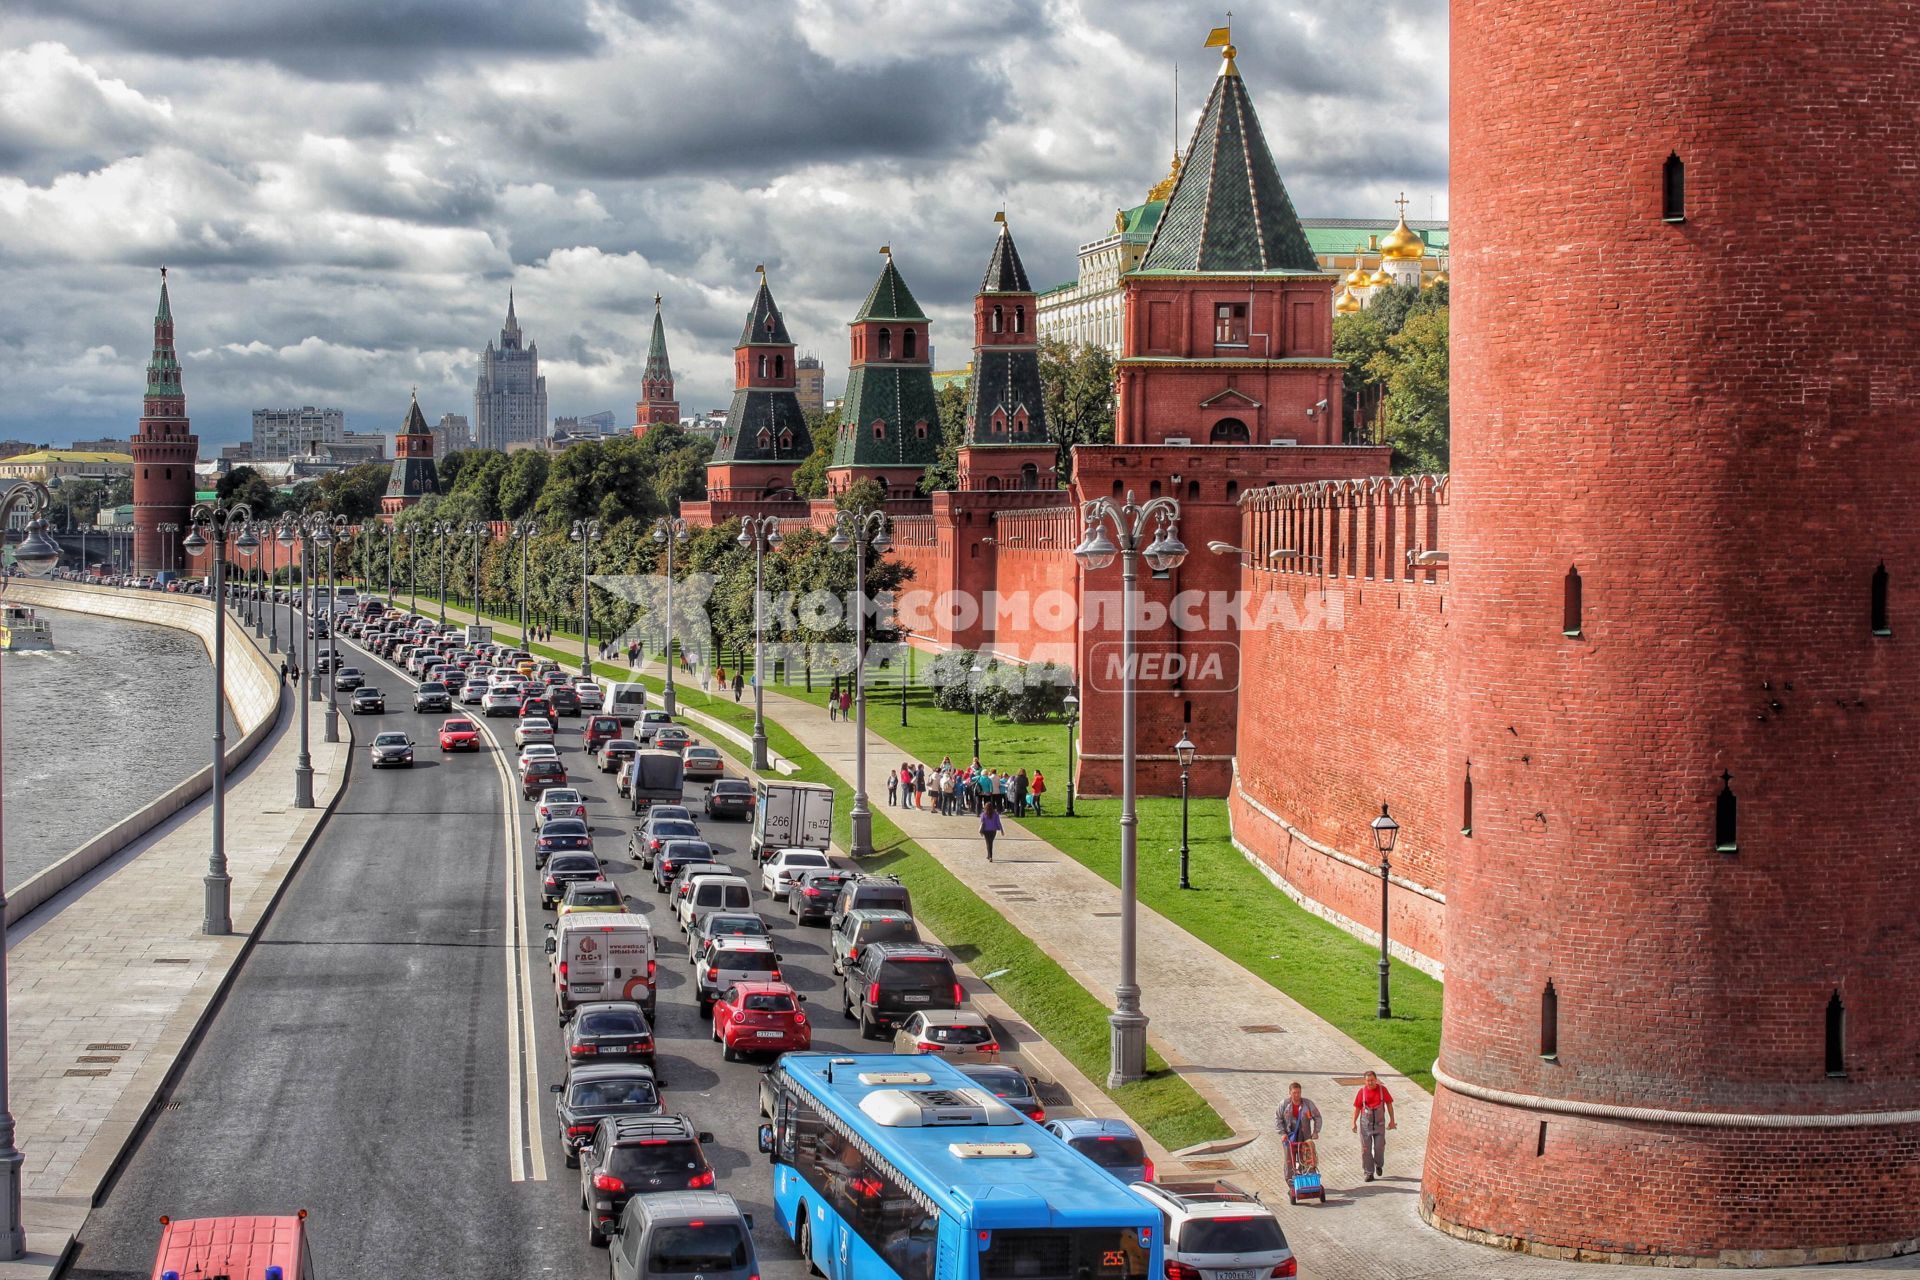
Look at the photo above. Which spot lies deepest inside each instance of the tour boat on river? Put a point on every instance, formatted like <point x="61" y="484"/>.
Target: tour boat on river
<point x="21" y="628"/>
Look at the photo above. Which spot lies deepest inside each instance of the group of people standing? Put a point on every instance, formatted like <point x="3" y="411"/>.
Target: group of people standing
<point x="968" y="790"/>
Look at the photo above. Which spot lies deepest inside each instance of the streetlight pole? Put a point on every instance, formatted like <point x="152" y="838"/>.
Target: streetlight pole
<point x="166" y="530"/>
<point x="1129" y="520"/>
<point x="303" y="667"/>
<point x="973" y="697"/>
<point x="220" y="521"/>
<point x="860" y="530"/>
<point x="270" y="544"/>
<point x="1385" y="832"/>
<point x="441" y="532"/>
<point x="413" y="569"/>
<point x="761" y="534"/>
<point x="478" y="532"/>
<point x="584" y="532"/>
<point x="906" y="671"/>
<point x="256" y="575"/>
<point x="1184" y="751"/>
<point x="84" y="529"/>
<point x="36" y="554"/>
<point x="387" y="533"/>
<point x="329" y="533"/>
<point x="667" y="531"/>
<point x="523" y="529"/>
<point x="1072" y="704"/>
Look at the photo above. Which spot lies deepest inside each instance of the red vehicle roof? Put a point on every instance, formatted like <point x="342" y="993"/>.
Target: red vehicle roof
<point x="765" y="989"/>
<point x="237" y="1247"/>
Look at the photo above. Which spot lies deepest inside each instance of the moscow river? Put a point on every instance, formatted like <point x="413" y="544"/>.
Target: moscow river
<point x="116" y="714"/>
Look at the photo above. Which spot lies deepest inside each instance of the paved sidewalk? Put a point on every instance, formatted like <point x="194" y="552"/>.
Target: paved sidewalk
<point x="1236" y="1038"/>
<point x="109" y="981"/>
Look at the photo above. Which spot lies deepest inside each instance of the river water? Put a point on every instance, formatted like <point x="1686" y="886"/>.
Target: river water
<point x="96" y="728"/>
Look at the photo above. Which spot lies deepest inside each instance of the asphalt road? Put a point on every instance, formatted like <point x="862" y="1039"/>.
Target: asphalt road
<point x="383" y="1056"/>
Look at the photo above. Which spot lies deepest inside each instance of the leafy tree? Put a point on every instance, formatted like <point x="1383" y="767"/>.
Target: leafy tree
<point x="1077" y="387"/>
<point x="862" y="495"/>
<point x="244" y="484"/>
<point x="523" y="478"/>
<point x="478" y="477"/>
<point x="944" y="474"/>
<point x="356" y="492"/>
<point x="810" y="477"/>
<point x="447" y="470"/>
<point x="1413" y="369"/>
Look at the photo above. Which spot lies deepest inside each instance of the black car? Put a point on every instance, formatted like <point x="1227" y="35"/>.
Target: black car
<point x="627" y="1157"/>
<point x="347" y="679"/>
<point x="893" y="980"/>
<point x="562" y="835"/>
<point x="323" y="662"/>
<point x="432" y="696"/>
<point x="367" y="700"/>
<point x="541" y="774"/>
<point x="676" y="857"/>
<point x="730" y="796"/>
<point x="1010" y="1085"/>
<point x="657" y="831"/>
<point x="562" y="870"/>
<point x="812" y="894"/>
<point x="595" y="1091"/>
<point x="564" y="700"/>
<point x="608" y="1031"/>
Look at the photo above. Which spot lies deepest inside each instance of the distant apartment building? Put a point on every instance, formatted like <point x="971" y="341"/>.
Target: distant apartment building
<point x="279" y="434"/>
<point x="451" y="434"/>
<point x="106" y="444"/>
<point x="811" y="384"/>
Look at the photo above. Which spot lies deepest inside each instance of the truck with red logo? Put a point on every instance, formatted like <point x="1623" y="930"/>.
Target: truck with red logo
<point x="605" y="957"/>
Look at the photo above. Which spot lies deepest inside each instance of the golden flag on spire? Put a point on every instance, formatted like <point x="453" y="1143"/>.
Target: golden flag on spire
<point x="1218" y="38"/>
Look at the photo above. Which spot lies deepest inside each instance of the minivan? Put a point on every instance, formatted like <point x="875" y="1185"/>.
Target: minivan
<point x="675" y="1234"/>
<point x="870" y="891"/>
<point x="627" y="702"/>
<point x="719" y="891"/>
<point x="602" y="956"/>
<point x="866" y="925"/>
<point x="893" y="980"/>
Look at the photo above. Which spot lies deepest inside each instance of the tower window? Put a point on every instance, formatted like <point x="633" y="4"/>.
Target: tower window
<point x="779" y="366"/>
<point x="1550" y="1023"/>
<point x="1466" y="802"/>
<point x="764" y="438"/>
<point x="1880" y="627"/>
<point x="1029" y="476"/>
<point x="1570" y="621"/>
<point x="920" y="430"/>
<point x="996" y="325"/>
<point x="886" y="344"/>
<point x="1673" y="190"/>
<point x="1019" y="319"/>
<point x="1229" y="431"/>
<point x="763" y="366"/>
<point x="999" y="422"/>
<point x="786" y="439"/>
<point x="1726" y="830"/>
<point x="879" y="430"/>
<point x="1230" y="323"/>
<point x="906" y="344"/>
<point x="1836" y="1036"/>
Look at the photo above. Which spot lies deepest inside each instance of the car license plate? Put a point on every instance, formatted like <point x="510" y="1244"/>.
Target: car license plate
<point x="917" y="997"/>
<point x="619" y="1048"/>
<point x="1233" y="1275"/>
<point x="770" y="1035"/>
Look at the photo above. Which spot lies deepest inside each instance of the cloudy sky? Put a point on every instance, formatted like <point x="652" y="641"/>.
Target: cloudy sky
<point x="345" y="189"/>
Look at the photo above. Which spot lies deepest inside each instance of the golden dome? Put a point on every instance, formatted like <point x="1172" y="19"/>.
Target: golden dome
<point x="1346" y="303"/>
<point x="1381" y="280"/>
<point x="1403" y="243"/>
<point x="1358" y="277"/>
<point x="1442" y="277"/>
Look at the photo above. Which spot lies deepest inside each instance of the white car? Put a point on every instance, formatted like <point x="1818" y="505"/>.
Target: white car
<point x="537" y="751"/>
<point x="777" y="876"/>
<point x="1215" y="1228"/>
<point x="533" y="729"/>
<point x="559" y="802"/>
<point x="472" y="692"/>
<point x="501" y="702"/>
<point x="592" y="698"/>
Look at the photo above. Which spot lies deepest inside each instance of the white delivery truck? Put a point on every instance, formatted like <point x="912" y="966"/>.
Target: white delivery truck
<point x="627" y="701"/>
<point x="791" y="815"/>
<point x="597" y="955"/>
<point x="479" y="633"/>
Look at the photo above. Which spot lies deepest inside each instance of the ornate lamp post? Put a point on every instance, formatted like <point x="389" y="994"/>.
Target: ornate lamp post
<point x="1385" y="832"/>
<point x="298" y="636"/>
<point x="256" y="578"/>
<point x="860" y="530"/>
<point x="973" y="697"/>
<point x="412" y="537"/>
<point x="212" y="518"/>
<point x="268" y="543"/>
<point x="1072" y="704"/>
<point x="166" y="530"/>
<point x="761" y="534"/>
<point x="329" y="533"/>
<point x="442" y="531"/>
<point x="668" y="531"/>
<point x="36" y="554"/>
<point x="523" y="529"/>
<point x="1184" y="751"/>
<point x="584" y="532"/>
<point x="1129" y="521"/>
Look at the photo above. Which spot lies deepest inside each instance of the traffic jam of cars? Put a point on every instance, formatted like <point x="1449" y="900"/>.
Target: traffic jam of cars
<point x="665" y="887"/>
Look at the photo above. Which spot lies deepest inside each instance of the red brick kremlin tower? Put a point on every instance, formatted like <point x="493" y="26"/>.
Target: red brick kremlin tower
<point x="657" y="404"/>
<point x="413" y="475"/>
<point x="889" y="419"/>
<point x="765" y="437"/>
<point x="1683" y="934"/>
<point x="1007" y="445"/>
<point x="164" y="451"/>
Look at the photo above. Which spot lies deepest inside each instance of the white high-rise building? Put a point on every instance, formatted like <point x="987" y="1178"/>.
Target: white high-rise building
<point x="279" y="434"/>
<point x="510" y="402"/>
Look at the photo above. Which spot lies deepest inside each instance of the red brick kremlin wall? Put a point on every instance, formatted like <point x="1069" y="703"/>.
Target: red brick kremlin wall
<point x="1723" y="445"/>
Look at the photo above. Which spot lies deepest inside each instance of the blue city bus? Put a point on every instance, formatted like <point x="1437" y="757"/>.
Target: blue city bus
<point x="896" y="1165"/>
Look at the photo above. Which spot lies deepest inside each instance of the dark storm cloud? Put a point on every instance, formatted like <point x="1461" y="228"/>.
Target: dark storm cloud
<point x="340" y="39"/>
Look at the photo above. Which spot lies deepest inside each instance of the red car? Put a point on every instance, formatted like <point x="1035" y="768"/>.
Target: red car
<point x="541" y="774"/>
<point x="761" y="1017"/>
<point x="536" y="707"/>
<point x="459" y="735"/>
<point x="601" y="729"/>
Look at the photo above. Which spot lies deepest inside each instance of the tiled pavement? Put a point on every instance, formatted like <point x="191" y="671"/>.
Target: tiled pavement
<point x="107" y="982"/>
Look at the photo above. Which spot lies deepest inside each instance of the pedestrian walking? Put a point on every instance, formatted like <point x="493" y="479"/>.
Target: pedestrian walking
<point x="720" y="674"/>
<point x="989" y="828"/>
<point x="1297" y="1118"/>
<point x="739" y="685"/>
<point x="846" y="703"/>
<point x="1372" y="1117"/>
<point x="833" y="706"/>
<point x="1038" y="789"/>
<point x="1020" y="792"/>
<point x="893" y="788"/>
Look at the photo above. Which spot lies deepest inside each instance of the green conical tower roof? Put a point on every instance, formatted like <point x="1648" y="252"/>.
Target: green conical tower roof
<point x="657" y="370"/>
<point x="1229" y="211"/>
<point x="765" y="325"/>
<point x="890" y="298"/>
<point x="163" y="366"/>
